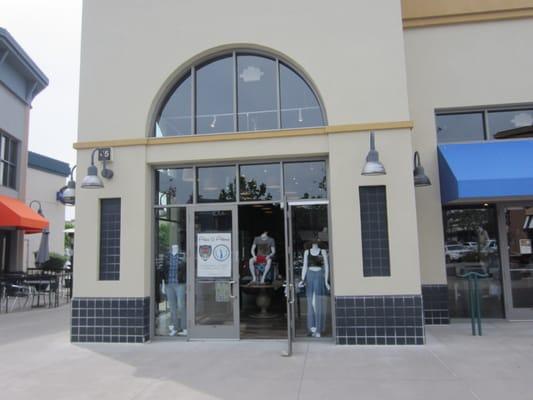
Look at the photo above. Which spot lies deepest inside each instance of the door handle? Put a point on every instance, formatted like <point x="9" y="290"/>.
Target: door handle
<point x="293" y="294"/>
<point x="231" y="286"/>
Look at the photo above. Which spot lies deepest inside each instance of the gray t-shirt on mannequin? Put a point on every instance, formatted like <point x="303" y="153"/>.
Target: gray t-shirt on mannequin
<point x="264" y="245"/>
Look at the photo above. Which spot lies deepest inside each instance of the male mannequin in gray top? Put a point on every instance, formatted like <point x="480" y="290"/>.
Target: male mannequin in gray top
<point x="263" y="249"/>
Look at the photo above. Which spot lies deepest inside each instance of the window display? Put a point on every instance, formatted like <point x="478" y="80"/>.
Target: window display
<point x="171" y="272"/>
<point x="263" y="249"/>
<point x="315" y="275"/>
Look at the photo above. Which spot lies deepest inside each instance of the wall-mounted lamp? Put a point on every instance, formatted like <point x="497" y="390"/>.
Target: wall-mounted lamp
<point x="92" y="180"/>
<point x="421" y="179"/>
<point x="69" y="192"/>
<point x="373" y="166"/>
<point x="40" y="209"/>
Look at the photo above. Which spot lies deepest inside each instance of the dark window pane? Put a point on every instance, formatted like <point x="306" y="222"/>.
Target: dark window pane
<point x="109" y="239"/>
<point x="260" y="182"/>
<point x="374" y="230"/>
<point x="12" y="176"/>
<point x="504" y="120"/>
<point x="216" y="184"/>
<point x="175" y="119"/>
<point x="214" y="97"/>
<point x="464" y="127"/>
<point x="256" y="93"/>
<point x="174" y="186"/>
<point x="471" y="244"/>
<point x="299" y="106"/>
<point x="305" y="180"/>
<point x="3" y="173"/>
<point x="13" y="152"/>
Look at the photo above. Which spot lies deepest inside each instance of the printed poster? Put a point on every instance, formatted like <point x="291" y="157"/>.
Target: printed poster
<point x="525" y="246"/>
<point x="213" y="255"/>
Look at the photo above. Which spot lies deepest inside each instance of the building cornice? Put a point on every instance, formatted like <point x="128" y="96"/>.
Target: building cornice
<point x="423" y="13"/>
<point x="256" y="135"/>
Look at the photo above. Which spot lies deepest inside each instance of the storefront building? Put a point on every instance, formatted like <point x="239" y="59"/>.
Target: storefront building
<point x="21" y="81"/>
<point x="241" y="203"/>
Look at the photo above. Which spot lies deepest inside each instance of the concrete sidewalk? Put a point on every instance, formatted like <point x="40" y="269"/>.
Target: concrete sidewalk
<point x="38" y="362"/>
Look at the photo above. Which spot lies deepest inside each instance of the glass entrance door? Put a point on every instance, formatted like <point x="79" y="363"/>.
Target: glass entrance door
<point x="518" y="260"/>
<point x="214" y="309"/>
<point x="309" y="275"/>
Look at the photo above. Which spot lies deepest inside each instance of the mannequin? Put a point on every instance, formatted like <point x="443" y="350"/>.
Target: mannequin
<point x="263" y="249"/>
<point x="315" y="273"/>
<point x="175" y="289"/>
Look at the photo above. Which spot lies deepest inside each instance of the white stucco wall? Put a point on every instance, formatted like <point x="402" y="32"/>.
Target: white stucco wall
<point x="42" y="186"/>
<point x="467" y="65"/>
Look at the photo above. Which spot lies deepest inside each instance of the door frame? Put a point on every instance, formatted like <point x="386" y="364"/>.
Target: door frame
<point x="511" y="313"/>
<point x="222" y="332"/>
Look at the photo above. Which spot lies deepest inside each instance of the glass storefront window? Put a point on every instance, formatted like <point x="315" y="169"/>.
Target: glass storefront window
<point x="310" y="264"/>
<point x="176" y="116"/>
<point x="260" y="182"/>
<point x="171" y="272"/>
<point x="519" y="221"/>
<point x="174" y="186"/>
<point x="214" y="96"/>
<point x="216" y="184"/>
<point x="471" y="244"/>
<point x="504" y="120"/>
<point x="460" y="127"/>
<point x="257" y="99"/>
<point x="305" y="180"/>
<point x="299" y="105"/>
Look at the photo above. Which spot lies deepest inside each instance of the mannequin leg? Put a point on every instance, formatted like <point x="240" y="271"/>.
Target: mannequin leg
<point x="309" y="290"/>
<point x="267" y="268"/>
<point x="251" y="265"/>
<point x="182" y="306"/>
<point x="321" y="306"/>
<point x="172" y="297"/>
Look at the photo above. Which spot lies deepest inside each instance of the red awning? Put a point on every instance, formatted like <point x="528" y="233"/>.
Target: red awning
<point x="14" y="214"/>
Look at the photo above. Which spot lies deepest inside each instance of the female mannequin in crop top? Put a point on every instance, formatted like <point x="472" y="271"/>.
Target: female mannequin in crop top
<point x="315" y="273"/>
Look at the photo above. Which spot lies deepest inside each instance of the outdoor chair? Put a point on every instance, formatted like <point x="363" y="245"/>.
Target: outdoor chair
<point x="18" y="292"/>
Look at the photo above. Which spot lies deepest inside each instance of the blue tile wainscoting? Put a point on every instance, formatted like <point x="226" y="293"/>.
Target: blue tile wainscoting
<point x="110" y="320"/>
<point x="383" y="320"/>
<point x="436" y="310"/>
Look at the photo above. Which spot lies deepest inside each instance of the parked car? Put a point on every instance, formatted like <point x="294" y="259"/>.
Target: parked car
<point x="456" y="252"/>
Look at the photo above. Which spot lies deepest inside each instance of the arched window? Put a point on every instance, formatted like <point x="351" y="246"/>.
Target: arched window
<point x="239" y="91"/>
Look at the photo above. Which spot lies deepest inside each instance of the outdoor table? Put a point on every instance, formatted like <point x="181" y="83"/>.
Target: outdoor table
<point x="40" y="283"/>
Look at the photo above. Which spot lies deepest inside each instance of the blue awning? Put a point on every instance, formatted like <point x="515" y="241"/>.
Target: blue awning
<point x="486" y="170"/>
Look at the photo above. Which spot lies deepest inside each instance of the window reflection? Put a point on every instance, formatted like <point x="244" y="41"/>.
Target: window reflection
<point x="175" y="119"/>
<point x="214" y="97"/>
<point x="500" y="121"/>
<point x="216" y="184"/>
<point x="471" y="244"/>
<point x="174" y="186"/>
<point x="462" y="127"/>
<point x="305" y="180"/>
<point x="299" y="105"/>
<point x="260" y="182"/>
<point x="256" y="93"/>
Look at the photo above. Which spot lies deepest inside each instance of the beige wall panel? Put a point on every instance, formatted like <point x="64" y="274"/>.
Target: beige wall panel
<point x="347" y="157"/>
<point x="42" y="186"/>
<point x="241" y="150"/>
<point x="130" y="183"/>
<point x="133" y="51"/>
<point x="459" y="66"/>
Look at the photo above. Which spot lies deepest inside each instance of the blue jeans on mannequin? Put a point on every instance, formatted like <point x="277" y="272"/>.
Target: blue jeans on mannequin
<point x="176" y="302"/>
<point x="316" y="310"/>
